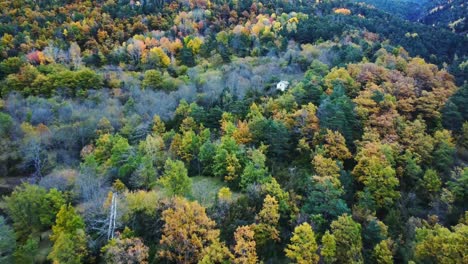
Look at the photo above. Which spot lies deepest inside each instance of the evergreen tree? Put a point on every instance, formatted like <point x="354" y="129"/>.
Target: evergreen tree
<point x="324" y="199"/>
<point x="7" y="242"/>
<point x="455" y="111"/>
<point x="336" y="113"/>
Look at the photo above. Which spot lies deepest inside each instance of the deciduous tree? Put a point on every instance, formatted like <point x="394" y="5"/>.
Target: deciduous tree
<point x="328" y="250"/>
<point x="245" y="249"/>
<point x="126" y="250"/>
<point x="303" y="247"/>
<point x="32" y="209"/>
<point x="187" y="232"/>
<point x="348" y="239"/>
<point x="175" y="178"/>
<point x="69" y="237"/>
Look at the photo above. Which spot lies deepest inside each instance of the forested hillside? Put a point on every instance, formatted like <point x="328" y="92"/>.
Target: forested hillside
<point x="408" y="9"/>
<point x="223" y="131"/>
<point x="448" y="14"/>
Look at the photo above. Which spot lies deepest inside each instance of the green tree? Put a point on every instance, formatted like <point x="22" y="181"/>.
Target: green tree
<point x="153" y="148"/>
<point x="69" y="237"/>
<point x="455" y="111"/>
<point x="444" y="151"/>
<point x="459" y="184"/>
<point x="145" y="175"/>
<point x="412" y="171"/>
<point x="348" y="239"/>
<point x="186" y="56"/>
<point x="337" y="113"/>
<point x="303" y="247"/>
<point x="273" y="188"/>
<point x="7" y="242"/>
<point x="153" y="79"/>
<point x="175" y="178"/>
<point x="374" y="232"/>
<point x="122" y="157"/>
<point x="324" y="200"/>
<point x="26" y="252"/>
<point x="431" y="182"/>
<point x="272" y="133"/>
<point x="8" y="147"/>
<point x="227" y="160"/>
<point x="32" y="209"/>
<point x="255" y="170"/>
<point x="10" y="65"/>
<point x="88" y="79"/>
<point x="207" y="154"/>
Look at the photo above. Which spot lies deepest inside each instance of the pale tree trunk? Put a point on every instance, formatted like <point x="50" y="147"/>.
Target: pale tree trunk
<point x="112" y="216"/>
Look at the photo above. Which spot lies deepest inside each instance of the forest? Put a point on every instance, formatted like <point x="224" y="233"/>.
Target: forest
<point x="227" y="131"/>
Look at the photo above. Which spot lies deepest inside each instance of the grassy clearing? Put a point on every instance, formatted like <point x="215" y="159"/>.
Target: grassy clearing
<point x="205" y="190"/>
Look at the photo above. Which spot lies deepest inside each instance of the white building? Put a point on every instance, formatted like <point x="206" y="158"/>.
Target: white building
<point x="282" y="86"/>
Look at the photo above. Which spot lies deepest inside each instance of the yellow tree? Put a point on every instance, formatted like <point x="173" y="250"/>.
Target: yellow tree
<point x="187" y="232"/>
<point x="156" y="57"/>
<point x="341" y="76"/>
<point x="326" y="169"/>
<point x="383" y="253"/>
<point x="267" y="221"/>
<point x="374" y="169"/>
<point x="335" y="146"/>
<point x="217" y="253"/>
<point x="242" y="134"/>
<point x="158" y="125"/>
<point x="347" y="234"/>
<point x="307" y="122"/>
<point x="303" y="247"/>
<point x="328" y="250"/>
<point x="438" y="244"/>
<point x="245" y="248"/>
<point x="69" y="237"/>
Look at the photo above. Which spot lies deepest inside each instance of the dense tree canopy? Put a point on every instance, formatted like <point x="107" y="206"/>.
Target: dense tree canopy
<point x="259" y="131"/>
